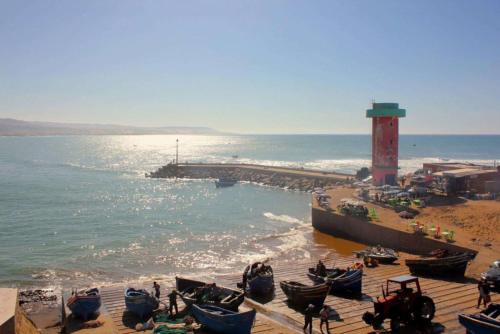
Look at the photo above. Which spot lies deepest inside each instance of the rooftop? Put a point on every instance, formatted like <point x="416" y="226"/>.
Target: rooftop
<point x="385" y="110"/>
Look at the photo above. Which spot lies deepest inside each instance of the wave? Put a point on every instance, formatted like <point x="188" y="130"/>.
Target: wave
<point x="283" y="218"/>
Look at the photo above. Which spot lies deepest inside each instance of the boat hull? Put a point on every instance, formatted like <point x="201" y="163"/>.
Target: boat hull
<point x="446" y="267"/>
<point x="227" y="298"/>
<point x="261" y="285"/>
<point x="84" y="306"/>
<point x="300" y="295"/>
<point x="141" y="305"/>
<point x="350" y="282"/>
<point x="475" y="325"/>
<point x="222" y="321"/>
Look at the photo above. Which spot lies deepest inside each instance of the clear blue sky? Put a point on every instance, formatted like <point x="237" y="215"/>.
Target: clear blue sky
<point x="253" y="66"/>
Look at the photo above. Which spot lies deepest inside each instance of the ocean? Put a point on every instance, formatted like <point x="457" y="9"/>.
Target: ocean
<point x="78" y="210"/>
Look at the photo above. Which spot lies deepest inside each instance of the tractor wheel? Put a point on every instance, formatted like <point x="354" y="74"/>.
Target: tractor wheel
<point x="368" y="318"/>
<point x="395" y="325"/>
<point x="424" y="310"/>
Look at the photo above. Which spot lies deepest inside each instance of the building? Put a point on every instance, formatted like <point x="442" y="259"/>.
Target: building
<point x="453" y="178"/>
<point x="385" y="141"/>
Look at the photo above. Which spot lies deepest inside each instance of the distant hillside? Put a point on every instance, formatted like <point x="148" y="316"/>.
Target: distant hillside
<point x="13" y="127"/>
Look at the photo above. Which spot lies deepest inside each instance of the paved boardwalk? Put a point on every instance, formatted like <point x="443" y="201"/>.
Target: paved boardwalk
<point x="450" y="297"/>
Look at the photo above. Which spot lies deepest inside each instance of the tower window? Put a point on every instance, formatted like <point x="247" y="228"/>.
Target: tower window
<point x="390" y="123"/>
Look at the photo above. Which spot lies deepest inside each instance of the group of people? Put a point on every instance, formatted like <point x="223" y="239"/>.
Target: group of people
<point x="324" y="314"/>
<point x="172" y="298"/>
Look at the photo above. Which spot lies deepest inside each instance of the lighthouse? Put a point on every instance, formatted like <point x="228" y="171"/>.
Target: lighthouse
<point x="385" y="140"/>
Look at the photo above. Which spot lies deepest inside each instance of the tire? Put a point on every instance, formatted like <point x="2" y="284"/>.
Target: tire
<point x="424" y="310"/>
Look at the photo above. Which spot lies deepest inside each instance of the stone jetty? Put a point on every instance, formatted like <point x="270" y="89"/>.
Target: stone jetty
<point x="283" y="177"/>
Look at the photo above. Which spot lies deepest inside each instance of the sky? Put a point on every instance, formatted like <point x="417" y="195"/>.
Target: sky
<point x="253" y="66"/>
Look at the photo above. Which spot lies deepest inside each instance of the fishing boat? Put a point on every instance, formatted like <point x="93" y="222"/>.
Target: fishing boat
<point x="342" y="281"/>
<point x="259" y="279"/>
<point x="301" y="295"/>
<point x="223" y="321"/>
<point x="140" y="302"/>
<point x="486" y="322"/>
<point x="85" y="303"/>
<point x="440" y="265"/>
<point x="381" y="254"/>
<point x="198" y="292"/>
<point x="225" y="182"/>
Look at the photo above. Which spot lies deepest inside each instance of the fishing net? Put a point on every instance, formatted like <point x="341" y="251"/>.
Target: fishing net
<point x="168" y="323"/>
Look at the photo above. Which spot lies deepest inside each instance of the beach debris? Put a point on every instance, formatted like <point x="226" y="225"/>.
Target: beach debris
<point x="406" y="215"/>
<point x="38" y="295"/>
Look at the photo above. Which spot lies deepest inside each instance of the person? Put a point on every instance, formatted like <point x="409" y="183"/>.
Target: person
<point x="156" y="286"/>
<point x="308" y="318"/>
<point x="323" y="315"/>
<point x="484" y="293"/>
<point x="320" y="269"/>
<point x="172" y="299"/>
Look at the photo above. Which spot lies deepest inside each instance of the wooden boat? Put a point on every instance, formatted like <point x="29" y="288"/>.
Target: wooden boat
<point x="486" y="322"/>
<point x="301" y="295"/>
<point x="259" y="279"/>
<point x="225" y="182"/>
<point x="341" y="280"/>
<point x="198" y="292"/>
<point x="381" y="254"/>
<point x="140" y="302"/>
<point x="448" y="265"/>
<point x="85" y="303"/>
<point x="223" y="321"/>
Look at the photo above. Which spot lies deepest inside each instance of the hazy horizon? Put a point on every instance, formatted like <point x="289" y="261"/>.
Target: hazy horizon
<point x="253" y="67"/>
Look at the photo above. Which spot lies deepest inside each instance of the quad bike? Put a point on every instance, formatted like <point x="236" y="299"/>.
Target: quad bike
<point x="401" y="302"/>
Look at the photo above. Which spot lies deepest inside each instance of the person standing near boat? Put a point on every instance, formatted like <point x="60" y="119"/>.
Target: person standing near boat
<point x="172" y="299"/>
<point x="308" y="318"/>
<point x="323" y="316"/>
<point x="156" y="286"/>
<point x="484" y="293"/>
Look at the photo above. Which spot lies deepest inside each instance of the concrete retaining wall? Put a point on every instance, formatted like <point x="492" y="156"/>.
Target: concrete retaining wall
<point x="368" y="233"/>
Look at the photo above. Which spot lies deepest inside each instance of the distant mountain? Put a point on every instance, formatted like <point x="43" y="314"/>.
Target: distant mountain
<point x="14" y="127"/>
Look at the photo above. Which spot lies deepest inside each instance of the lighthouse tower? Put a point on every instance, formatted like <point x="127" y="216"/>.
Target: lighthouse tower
<point x="385" y="138"/>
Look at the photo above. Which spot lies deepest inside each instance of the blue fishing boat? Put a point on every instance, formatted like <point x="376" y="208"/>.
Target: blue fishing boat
<point x="486" y="322"/>
<point x="259" y="279"/>
<point x="140" y="302"/>
<point x="350" y="282"/>
<point x="341" y="281"/>
<point x="84" y="304"/>
<point x="223" y="321"/>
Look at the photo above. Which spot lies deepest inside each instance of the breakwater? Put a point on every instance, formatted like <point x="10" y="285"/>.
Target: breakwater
<point x="284" y="177"/>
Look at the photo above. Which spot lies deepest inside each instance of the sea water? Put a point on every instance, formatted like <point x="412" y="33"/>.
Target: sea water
<point x="78" y="210"/>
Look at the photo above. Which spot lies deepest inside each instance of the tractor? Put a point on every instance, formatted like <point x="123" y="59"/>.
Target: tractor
<point x="401" y="302"/>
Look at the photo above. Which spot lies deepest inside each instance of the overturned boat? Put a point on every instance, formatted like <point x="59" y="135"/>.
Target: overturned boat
<point x="85" y="303"/>
<point x="381" y="254"/>
<point x="140" y="302"/>
<point x="341" y="281"/>
<point x="486" y="322"/>
<point x="198" y="292"/>
<point x="440" y="263"/>
<point x="223" y="321"/>
<point x="300" y="295"/>
<point x="258" y="279"/>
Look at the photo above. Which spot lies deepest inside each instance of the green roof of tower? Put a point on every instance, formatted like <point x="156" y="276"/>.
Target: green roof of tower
<point x="385" y="110"/>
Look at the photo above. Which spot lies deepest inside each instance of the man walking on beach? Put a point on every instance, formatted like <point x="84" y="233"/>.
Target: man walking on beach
<point x="156" y="286"/>
<point x="484" y="294"/>
<point x="323" y="315"/>
<point x="172" y="298"/>
<point x="308" y="318"/>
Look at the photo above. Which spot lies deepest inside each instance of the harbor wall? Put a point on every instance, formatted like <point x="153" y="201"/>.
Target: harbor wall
<point x="290" y="178"/>
<point x="369" y="233"/>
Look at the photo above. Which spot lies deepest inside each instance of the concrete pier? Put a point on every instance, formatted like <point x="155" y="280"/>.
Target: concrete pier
<point x="284" y="177"/>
